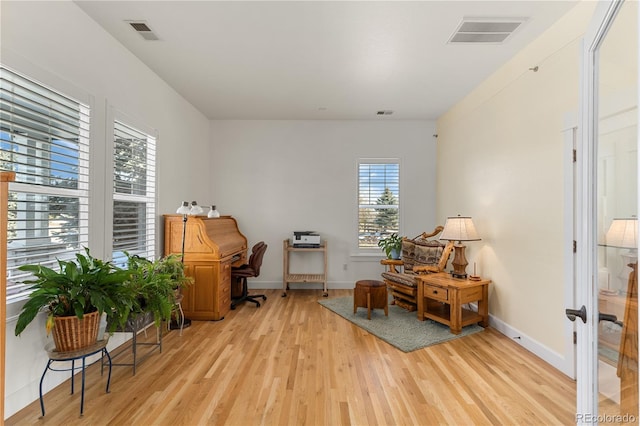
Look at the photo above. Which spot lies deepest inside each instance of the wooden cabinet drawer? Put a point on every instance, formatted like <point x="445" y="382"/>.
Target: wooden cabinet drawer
<point x="471" y="295"/>
<point x="435" y="292"/>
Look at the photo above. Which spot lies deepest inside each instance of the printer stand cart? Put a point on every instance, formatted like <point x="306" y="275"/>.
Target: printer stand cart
<point x="289" y="277"/>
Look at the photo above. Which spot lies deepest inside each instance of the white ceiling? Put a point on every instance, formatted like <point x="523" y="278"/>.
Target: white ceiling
<point x="320" y="59"/>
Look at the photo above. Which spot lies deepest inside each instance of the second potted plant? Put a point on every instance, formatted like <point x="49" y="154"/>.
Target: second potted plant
<point x="156" y="285"/>
<point x="391" y="245"/>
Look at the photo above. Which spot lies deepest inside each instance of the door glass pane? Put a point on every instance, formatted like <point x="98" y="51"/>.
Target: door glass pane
<point x="617" y="201"/>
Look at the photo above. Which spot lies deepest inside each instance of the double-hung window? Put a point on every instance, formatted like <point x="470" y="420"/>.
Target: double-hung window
<point x="134" y="193"/>
<point x="378" y="200"/>
<point x="44" y="139"/>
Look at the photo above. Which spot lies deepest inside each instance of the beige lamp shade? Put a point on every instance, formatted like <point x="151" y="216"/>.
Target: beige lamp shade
<point x="459" y="228"/>
<point x="623" y="233"/>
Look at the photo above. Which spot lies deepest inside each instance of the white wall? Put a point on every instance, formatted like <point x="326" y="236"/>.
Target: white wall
<point x="501" y="160"/>
<point x="276" y="177"/>
<point x="57" y="44"/>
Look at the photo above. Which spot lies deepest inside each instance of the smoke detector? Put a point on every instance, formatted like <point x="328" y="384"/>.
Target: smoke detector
<point x="485" y="30"/>
<point x="142" y="28"/>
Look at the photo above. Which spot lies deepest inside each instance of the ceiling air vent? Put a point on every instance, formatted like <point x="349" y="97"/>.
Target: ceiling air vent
<point x="485" y="30"/>
<point x="384" y="112"/>
<point x="143" y="29"/>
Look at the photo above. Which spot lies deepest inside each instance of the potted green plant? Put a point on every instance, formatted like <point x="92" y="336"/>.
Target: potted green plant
<point x="391" y="245"/>
<point x="80" y="291"/>
<point x="156" y="285"/>
<point x="172" y="264"/>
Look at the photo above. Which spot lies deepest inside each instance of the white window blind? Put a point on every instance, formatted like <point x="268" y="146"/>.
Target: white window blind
<point x="44" y="139"/>
<point x="134" y="193"/>
<point x="378" y="201"/>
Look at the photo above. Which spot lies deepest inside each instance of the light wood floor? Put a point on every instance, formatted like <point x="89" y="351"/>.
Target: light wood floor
<point x="293" y="362"/>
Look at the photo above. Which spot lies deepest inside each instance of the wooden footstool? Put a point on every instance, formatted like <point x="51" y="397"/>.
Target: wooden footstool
<point x="370" y="294"/>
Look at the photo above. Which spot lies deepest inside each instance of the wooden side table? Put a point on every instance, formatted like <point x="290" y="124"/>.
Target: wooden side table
<point x="440" y="298"/>
<point x="370" y="294"/>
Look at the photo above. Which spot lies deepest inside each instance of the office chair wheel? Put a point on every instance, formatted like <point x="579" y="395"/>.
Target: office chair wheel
<point x="233" y="307"/>
<point x="264" y="297"/>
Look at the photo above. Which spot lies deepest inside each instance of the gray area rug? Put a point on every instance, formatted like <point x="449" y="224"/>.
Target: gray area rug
<point x="400" y="329"/>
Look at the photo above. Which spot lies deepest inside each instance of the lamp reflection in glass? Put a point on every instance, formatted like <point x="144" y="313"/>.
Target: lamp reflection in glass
<point x="623" y="233"/>
<point x="459" y="229"/>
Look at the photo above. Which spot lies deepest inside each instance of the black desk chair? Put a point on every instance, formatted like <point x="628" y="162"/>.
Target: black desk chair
<point x="250" y="270"/>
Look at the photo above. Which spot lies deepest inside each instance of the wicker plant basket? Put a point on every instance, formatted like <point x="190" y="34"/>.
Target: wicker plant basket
<point x="72" y="333"/>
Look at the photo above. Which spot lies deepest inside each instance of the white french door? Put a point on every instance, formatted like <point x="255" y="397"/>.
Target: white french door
<point x="606" y="221"/>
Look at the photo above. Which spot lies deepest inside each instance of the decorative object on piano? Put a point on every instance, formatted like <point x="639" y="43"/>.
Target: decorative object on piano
<point x="391" y="245"/>
<point x="213" y="212"/>
<point x="305" y="239"/>
<point x="622" y="234"/>
<point x="459" y="229"/>
<point x="80" y="291"/>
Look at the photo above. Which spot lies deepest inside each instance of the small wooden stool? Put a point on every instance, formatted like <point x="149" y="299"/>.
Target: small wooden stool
<point x="370" y="294"/>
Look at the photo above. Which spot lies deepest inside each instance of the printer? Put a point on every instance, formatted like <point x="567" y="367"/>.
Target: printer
<point x="305" y="239"/>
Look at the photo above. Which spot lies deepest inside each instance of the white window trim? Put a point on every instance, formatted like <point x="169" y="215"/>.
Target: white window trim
<point x="28" y="70"/>
<point x="368" y="254"/>
<point x="113" y="115"/>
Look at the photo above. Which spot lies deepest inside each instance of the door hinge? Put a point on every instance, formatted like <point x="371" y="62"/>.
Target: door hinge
<point x="575" y="155"/>
<point x="575" y="246"/>
<point x="575" y="338"/>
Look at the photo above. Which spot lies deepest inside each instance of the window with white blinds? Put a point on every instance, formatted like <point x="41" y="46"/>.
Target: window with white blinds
<point x="378" y="200"/>
<point x="44" y="139"/>
<point x="134" y="193"/>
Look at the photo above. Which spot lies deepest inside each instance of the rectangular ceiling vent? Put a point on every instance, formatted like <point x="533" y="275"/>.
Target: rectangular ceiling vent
<point x="143" y="29"/>
<point x="384" y="112"/>
<point x="485" y="30"/>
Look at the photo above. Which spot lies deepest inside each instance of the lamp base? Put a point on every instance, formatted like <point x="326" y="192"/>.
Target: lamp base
<point x="457" y="275"/>
<point x="459" y="261"/>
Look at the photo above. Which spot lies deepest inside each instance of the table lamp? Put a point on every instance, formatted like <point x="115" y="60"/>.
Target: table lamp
<point x="459" y="229"/>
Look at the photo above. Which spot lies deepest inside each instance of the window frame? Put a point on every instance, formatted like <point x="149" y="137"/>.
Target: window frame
<point x="55" y="92"/>
<point x="375" y="250"/>
<point x="115" y="115"/>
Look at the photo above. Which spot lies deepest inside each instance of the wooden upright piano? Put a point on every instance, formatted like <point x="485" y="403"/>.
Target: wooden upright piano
<point x="211" y="247"/>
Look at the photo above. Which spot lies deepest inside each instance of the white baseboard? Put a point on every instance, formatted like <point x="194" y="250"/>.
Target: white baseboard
<point x="546" y="354"/>
<point x="268" y="285"/>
